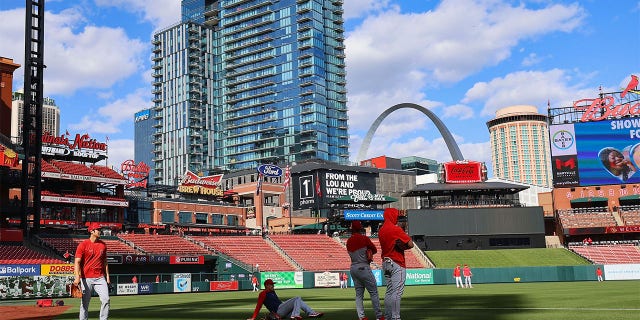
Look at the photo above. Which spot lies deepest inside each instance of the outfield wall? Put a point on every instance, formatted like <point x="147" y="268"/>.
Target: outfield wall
<point x="35" y="281"/>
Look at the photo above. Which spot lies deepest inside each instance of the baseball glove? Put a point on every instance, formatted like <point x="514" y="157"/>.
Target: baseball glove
<point x="76" y="292"/>
<point x="369" y="255"/>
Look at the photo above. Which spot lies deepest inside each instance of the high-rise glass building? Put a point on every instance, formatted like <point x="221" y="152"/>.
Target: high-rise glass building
<point x="143" y="142"/>
<point x="239" y="83"/>
<point x="519" y="138"/>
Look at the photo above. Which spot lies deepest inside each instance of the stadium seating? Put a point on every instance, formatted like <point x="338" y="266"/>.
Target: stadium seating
<point x="251" y="250"/>
<point x="608" y="254"/>
<point x="314" y="252"/>
<point x="18" y="254"/>
<point x="164" y="244"/>
<point x="106" y="172"/>
<point x="75" y="168"/>
<point x="573" y="219"/>
<point x="630" y="217"/>
<point x="47" y="167"/>
<point x="61" y="245"/>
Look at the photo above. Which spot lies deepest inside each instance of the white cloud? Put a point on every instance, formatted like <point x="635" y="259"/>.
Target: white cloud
<point x="76" y="55"/>
<point x="119" y="150"/>
<point x="359" y="8"/>
<point x="458" y="111"/>
<point x="437" y="47"/>
<point x="531" y="59"/>
<point x="111" y="116"/>
<point x="160" y="13"/>
<point x="530" y="87"/>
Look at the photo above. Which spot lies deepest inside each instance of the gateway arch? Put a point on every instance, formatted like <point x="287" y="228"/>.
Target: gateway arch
<point x="446" y="135"/>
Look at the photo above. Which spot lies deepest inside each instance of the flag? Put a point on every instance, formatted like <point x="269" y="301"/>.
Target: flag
<point x="67" y="132"/>
<point x="107" y="138"/>
<point x="259" y="184"/>
<point x="287" y="177"/>
<point x="318" y="190"/>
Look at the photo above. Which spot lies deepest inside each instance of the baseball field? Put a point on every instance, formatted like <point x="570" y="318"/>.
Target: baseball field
<point x="617" y="300"/>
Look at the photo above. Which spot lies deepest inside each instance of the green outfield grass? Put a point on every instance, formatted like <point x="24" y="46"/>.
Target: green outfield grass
<point x="619" y="300"/>
<point x="506" y="258"/>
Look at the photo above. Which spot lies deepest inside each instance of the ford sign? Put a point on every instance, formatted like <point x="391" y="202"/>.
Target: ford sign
<point x="270" y="170"/>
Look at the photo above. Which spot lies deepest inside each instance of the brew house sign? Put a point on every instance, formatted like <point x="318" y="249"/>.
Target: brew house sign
<point x="83" y="147"/>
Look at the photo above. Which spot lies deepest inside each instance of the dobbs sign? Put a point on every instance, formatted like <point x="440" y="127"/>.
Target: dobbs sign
<point x="57" y="269"/>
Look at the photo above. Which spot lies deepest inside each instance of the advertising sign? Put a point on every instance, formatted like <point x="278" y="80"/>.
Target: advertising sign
<point x="82" y="147"/>
<point x="419" y="277"/>
<point x="327" y="279"/>
<point x="8" y="157"/>
<point x="463" y="171"/>
<point x="145" y="288"/>
<point x="186" y="260"/>
<point x="181" y="282"/>
<point x="622" y="272"/>
<point x="270" y="170"/>
<point x="127" y="288"/>
<point x="364" y="215"/>
<point x="137" y="175"/>
<point x="311" y="190"/>
<point x="377" y="274"/>
<point x="192" y="183"/>
<point x="284" y="279"/>
<point x="19" y="270"/>
<point x="57" y="269"/>
<point x="603" y="146"/>
<point x="223" y="285"/>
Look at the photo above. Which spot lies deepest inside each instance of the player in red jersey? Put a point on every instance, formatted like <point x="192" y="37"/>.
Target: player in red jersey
<point x="277" y="308"/>
<point x="393" y="241"/>
<point x="361" y="251"/>
<point x="92" y="272"/>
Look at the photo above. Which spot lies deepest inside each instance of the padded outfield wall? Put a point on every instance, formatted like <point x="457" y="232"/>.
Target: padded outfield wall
<point x="477" y="228"/>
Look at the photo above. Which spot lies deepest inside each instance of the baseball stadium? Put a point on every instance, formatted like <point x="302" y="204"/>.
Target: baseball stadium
<point x="194" y="247"/>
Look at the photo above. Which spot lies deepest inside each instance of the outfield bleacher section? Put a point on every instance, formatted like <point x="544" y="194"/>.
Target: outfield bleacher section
<point x="164" y="244"/>
<point x="251" y="250"/>
<point x="586" y="218"/>
<point x="19" y="254"/>
<point x="314" y="252"/>
<point x="61" y="245"/>
<point x="608" y="254"/>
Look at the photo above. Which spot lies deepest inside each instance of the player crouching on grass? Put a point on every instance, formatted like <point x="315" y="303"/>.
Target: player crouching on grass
<point x="281" y="310"/>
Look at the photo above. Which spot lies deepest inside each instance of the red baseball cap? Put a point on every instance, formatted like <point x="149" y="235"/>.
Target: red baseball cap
<point x="269" y="282"/>
<point x="94" y="226"/>
<point x="356" y="225"/>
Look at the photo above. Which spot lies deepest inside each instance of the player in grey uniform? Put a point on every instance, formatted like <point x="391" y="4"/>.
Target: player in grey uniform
<point x="361" y="251"/>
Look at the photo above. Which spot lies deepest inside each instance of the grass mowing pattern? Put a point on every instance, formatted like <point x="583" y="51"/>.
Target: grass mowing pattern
<point x="608" y="300"/>
<point x="506" y="258"/>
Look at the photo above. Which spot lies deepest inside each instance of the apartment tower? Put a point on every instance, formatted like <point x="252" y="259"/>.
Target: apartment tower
<point x="239" y="83"/>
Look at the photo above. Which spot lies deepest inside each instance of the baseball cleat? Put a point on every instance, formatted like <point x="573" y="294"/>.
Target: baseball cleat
<point x="315" y="314"/>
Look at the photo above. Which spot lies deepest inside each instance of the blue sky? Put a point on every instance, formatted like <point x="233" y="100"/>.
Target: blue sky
<point x="462" y="59"/>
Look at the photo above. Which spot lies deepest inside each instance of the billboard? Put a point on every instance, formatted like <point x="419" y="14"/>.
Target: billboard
<point x="596" y="153"/>
<point x="313" y="190"/>
<point x="603" y="146"/>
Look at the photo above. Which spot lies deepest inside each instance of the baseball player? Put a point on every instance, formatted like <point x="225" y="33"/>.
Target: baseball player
<point x="92" y="272"/>
<point x="393" y="241"/>
<point x="457" y="274"/>
<point x="278" y="309"/>
<point x="466" y="272"/>
<point x="361" y="251"/>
